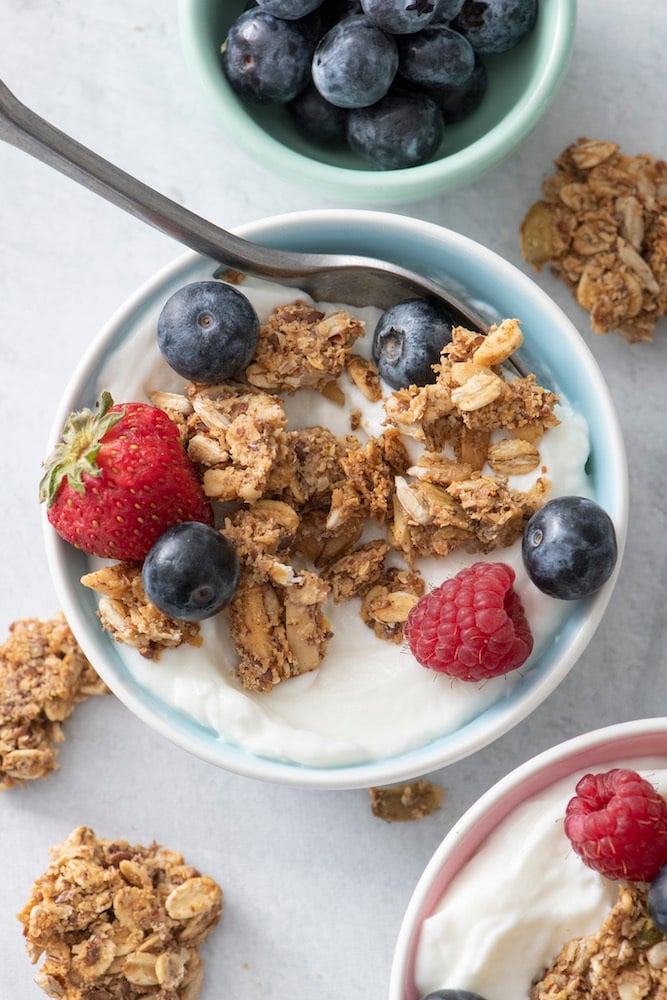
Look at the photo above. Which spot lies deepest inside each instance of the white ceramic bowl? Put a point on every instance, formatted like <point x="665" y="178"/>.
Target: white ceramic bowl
<point x="631" y="743"/>
<point x="552" y="347"/>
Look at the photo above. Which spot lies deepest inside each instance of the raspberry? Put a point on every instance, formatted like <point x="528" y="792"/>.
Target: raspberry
<point x="617" y="824"/>
<point x="472" y="626"/>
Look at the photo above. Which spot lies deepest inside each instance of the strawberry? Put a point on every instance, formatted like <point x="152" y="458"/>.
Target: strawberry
<point x="118" y="478"/>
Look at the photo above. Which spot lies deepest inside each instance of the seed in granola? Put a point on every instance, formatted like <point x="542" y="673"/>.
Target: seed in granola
<point x="657" y="900"/>
<point x="208" y="331"/>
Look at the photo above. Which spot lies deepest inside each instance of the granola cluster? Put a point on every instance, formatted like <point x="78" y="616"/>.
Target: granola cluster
<point x="625" y="959"/>
<point x="602" y="227"/>
<point x="316" y="516"/>
<point x="114" y="921"/>
<point x="43" y="675"/>
<point x="406" y="802"/>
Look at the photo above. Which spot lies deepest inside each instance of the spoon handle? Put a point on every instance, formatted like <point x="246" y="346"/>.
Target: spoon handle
<point x="24" y="129"/>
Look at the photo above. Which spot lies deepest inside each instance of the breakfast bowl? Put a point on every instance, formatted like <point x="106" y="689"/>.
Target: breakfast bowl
<point x="506" y="891"/>
<point x="369" y="714"/>
<point x="520" y="85"/>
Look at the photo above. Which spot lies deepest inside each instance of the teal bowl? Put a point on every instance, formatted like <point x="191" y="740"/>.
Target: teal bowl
<point x="522" y="84"/>
<point x="553" y="349"/>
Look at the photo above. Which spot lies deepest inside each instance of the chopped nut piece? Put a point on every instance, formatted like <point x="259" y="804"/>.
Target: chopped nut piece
<point x="102" y="938"/>
<point x="601" y="226"/>
<point x="43" y="675"/>
<point x="513" y="457"/>
<point x="412" y="801"/>
<point x="501" y="341"/>
<point x="385" y="607"/>
<point x="365" y="376"/>
<point x="126" y="612"/>
<point x="624" y="959"/>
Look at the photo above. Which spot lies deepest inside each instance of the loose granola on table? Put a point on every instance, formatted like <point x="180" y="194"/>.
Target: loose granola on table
<point x="406" y="802"/>
<point x="43" y="676"/>
<point x="602" y="227"/>
<point x="316" y="516"/>
<point x="115" y="921"/>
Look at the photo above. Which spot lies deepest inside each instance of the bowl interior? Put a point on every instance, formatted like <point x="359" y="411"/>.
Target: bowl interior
<point x="625" y="741"/>
<point x="521" y="84"/>
<point x="565" y="363"/>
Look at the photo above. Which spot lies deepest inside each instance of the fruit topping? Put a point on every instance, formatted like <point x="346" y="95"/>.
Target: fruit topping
<point x="657" y="900"/>
<point x="496" y="25"/>
<point x="617" y="824"/>
<point x="289" y="9"/>
<point x="473" y="626"/>
<point x="435" y="57"/>
<point x="408" y="340"/>
<point x="208" y="331"/>
<point x="354" y="63"/>
<point x="267" y="58"/>
<point x="400" y="16"/>
<point x="400" y="130"/>
<point x="453" y="995"/>
<point x="456" y="103"/>
<point x="118" y="478"/>
<point x="569" y="547"/>
<point x="317" y="57"/>
<point x="317" y="118"/>
<point x="191" y="572"/>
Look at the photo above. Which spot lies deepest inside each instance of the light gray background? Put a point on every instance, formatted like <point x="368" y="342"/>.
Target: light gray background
<point x="315" y="886"/>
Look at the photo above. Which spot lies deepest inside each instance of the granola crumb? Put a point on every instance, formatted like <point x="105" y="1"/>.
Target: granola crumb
<point x="114" y="920"/>
<point x="410" y="801"/>
<point x="626" y="959"/>
<point x="602" y="228"/>
<point x="300" y="347"/>
<point x="43" y="676"/>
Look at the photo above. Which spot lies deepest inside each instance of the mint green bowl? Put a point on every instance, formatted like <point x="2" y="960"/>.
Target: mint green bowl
<point x="522" y="84"/>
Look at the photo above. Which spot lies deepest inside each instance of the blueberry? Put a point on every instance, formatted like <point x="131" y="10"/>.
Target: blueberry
<point x="453" y="995"/>
<point x="191" y="572"/>
<point x="446" y="11"/>
<point x="569" y="547"/>
<point x="354" y="63"/>
<point x="267" y="58"/>
<point x="408" y="340"/>
<point x="400" y="16"/>
<point x="208" y="331"/>
<point x="401" y="130"/>
<point x="317" y="118"/>
<point x="657" y="900"/>
<point x="289" y="9"/>
<point x="435" y="57"/>
<point x="456" y="103"/>
<point x="495" y="25"/>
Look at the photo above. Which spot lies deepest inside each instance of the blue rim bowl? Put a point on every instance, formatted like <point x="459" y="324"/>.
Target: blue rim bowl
<point x="554" y="350"/>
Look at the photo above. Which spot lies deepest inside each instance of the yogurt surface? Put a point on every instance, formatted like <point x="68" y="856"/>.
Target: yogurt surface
<point x="518" y="900"/>
<point x="369" y="699"/>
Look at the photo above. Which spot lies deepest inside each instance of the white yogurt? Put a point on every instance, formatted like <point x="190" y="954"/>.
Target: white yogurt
<point x="369" y="699"/>
<point x="521" y="897"/>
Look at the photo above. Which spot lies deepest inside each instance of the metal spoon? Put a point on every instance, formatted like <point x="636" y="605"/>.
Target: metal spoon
<point x="327" y="277"/>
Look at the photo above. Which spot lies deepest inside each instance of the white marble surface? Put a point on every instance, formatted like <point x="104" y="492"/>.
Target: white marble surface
<point x="315" y="887"/>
